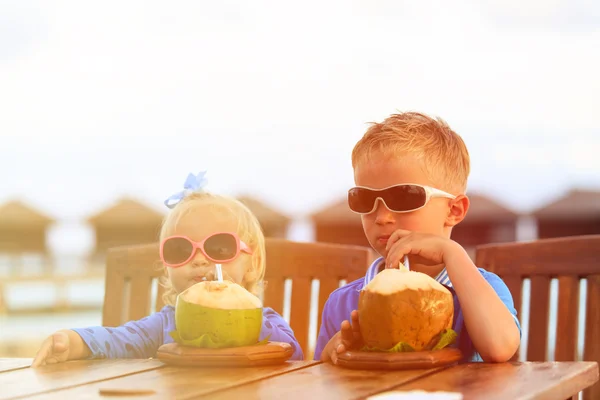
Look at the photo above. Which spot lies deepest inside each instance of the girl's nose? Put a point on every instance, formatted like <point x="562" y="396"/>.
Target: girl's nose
<point x="199" y="260"/>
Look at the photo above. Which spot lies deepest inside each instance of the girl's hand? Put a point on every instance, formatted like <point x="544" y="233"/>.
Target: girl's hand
<point x="54" y="349"/>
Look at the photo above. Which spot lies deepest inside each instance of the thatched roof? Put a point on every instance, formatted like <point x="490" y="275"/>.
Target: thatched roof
<point x="485" y="209"/>
<point x="127" y="211"/>
<point x="576" y="204"/>
<point x="264" y="213"/>
<point x="337" y="213"/>
<point x="18" y="213"/>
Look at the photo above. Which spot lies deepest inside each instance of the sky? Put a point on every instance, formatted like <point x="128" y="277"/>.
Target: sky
<point x="105" y="99"/>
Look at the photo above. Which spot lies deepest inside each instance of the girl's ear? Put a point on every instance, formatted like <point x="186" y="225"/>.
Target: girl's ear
<point x="251" y="269"/>
<point x="252" y="274"/>
<point x="458" y="210"/>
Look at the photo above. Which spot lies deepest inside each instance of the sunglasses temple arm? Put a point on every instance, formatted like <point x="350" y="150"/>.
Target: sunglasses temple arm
<point x="245" y="248"/>
<point x="433" y="192"/>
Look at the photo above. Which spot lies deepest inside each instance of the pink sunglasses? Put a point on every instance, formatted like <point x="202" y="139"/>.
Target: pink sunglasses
<point x="219" y="248"/>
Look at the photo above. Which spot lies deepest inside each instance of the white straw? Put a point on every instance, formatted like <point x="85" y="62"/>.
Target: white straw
<point x="406" y="264"/>
<point x="219" y="273"/>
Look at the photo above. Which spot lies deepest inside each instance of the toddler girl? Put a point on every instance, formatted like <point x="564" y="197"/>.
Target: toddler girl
<point x="202" y="229"/>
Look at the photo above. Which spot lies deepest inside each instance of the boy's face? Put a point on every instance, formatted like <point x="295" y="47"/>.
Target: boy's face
<point x="382" y="172"/>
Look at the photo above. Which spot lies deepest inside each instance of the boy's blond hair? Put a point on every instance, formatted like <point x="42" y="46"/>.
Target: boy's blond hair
<point x="249" y="231"/>
<point x="442" y="151"/>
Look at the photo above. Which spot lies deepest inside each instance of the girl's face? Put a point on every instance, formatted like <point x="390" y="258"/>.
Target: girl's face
<point x="197" y="224"/>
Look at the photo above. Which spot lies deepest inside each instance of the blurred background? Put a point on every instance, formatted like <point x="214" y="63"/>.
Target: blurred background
<point x="106" y="107"/>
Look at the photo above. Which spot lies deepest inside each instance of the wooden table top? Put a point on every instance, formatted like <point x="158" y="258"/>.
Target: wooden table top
<point x="305" y="380"/>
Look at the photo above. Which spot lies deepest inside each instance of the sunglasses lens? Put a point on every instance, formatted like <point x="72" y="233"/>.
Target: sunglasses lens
<point x="177" y="250"/>
<point x="222" y="246"/>
<point x="361" y="200"/>
<point x="398" y="198"/>
<point x="404" y="197"/>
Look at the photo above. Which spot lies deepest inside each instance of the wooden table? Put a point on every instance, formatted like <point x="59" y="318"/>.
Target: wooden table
<point x="305" y="380"/>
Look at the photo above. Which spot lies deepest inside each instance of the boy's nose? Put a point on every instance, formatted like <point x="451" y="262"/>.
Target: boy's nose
<point x="382" y="214"/>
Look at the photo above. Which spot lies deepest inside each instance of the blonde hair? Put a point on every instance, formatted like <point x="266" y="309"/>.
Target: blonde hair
<point x="442" y="151"/>
<point x="248" y="229"/>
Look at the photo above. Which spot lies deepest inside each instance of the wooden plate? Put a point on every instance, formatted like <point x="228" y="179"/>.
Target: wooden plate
<point x="246" y="356"/>
<point x="394" y="361"/>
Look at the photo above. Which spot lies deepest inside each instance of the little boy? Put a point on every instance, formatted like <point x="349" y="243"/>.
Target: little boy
<point x="411" y="175"/>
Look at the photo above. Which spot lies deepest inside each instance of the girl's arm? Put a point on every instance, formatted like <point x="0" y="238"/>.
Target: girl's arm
<point x="277" y="330"/>
<point x="135" y="339"/>
<point x="78" y="350"/>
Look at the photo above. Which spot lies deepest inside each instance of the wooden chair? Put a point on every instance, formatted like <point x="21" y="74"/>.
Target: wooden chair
<point x="131" y="271"/>
<point x="302" y="263"/>
<point x="569" y="260"/>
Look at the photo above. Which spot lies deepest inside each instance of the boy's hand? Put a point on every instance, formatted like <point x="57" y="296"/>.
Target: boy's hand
<point x="347" y="338"/>
<point x="431" y="247"/>
<point x="54" y="349"/>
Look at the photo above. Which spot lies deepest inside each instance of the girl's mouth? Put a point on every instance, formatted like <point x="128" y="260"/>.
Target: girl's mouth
<point x="207" y="276"/>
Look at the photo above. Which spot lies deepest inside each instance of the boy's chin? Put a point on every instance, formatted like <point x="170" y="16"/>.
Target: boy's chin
<point x="378" y="247"/>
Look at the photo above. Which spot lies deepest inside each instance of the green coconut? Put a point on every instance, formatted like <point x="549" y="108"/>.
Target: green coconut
<point x="217" y="315"/>
<point x="402" y="310"/>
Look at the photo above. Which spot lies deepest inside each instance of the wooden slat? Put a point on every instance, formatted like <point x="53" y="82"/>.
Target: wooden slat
<point x="314" y="260"/>
<point x="10" y="364"/>
<point x="113" y="288"/>
<point x="300" y="311"/>
<point x="538" y="318"/>
<point x="139" y="296"/>
<point x="322" y="381"/>
<point x="326" y="287"/>
<point x="178" y="383"/>
<point x="592" y="330"/>
<point x="142" y="258"/>
<point x="274" y="294"/>
<point x="515" y="285"/>
<point x="29" y="381"/>
<point x="510" y="380"/>
<point x="548" y="257"/>
<point x="567" y="321"/>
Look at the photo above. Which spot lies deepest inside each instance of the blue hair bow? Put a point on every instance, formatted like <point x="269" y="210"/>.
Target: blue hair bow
<point x="193" y="183"/>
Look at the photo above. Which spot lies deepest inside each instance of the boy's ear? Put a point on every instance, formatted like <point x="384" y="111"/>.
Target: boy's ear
<point x="458" y="210"/>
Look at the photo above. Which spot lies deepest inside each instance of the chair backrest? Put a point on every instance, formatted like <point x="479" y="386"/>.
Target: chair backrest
<point x="303" y="263"/>
<point x="131" y="273"/>
<point x="568" y="260"/>
<point x="131" y="270"/>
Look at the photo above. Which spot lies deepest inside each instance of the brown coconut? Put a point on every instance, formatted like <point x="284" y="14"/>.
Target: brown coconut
<point x="399" y="305"/>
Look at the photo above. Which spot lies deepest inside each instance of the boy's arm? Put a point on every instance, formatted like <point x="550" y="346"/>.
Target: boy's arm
<point x="326" y="332"/>
<point x="135" y="339"/>
<point x="491" y="325"/>
<point x="277" y="330"/>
